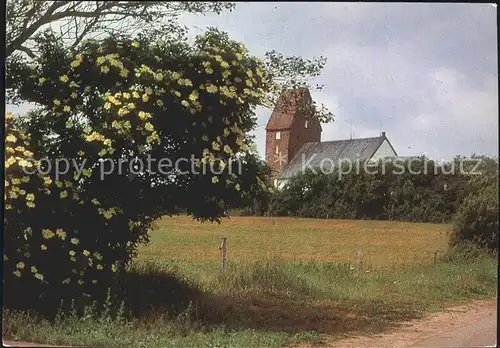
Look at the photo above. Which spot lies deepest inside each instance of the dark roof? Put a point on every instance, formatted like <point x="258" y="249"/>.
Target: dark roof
<point x="286" y="108"/>
<point x="332" y="152"/>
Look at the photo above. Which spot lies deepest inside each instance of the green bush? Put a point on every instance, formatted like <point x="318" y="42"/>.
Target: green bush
<point x="476" y="220"/>
<point x="71" y="232"/>
<point x="387" y="193"/>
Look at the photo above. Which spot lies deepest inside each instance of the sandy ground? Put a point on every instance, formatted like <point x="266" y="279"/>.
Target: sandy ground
<point x="470" y="325"/>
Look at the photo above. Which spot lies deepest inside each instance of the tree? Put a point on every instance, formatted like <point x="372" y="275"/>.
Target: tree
<point x="127" y="100"/>
<point x="78" y="20"/>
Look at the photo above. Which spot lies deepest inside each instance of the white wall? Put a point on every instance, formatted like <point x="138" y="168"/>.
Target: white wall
<point x="280" y="183"/>
<point x="384" y="150"/>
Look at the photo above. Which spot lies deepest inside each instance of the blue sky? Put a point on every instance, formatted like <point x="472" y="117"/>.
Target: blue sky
<point x="425" y="73"/>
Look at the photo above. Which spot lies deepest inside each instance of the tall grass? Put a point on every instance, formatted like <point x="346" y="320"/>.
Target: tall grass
<point x="266" y="303"/>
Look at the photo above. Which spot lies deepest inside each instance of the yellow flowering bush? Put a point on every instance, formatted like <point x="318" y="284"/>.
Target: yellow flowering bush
<point x="106" y="106"/>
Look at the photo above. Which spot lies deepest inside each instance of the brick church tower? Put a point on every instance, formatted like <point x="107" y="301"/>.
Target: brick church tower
<point x="288" y="129"/>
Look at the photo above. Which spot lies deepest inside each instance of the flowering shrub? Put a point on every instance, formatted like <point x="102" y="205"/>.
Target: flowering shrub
<point x="109" y="102"/>
<point x="112" y="100"/>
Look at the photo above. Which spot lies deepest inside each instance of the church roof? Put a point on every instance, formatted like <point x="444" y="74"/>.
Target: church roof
<point x="330" y="152"/>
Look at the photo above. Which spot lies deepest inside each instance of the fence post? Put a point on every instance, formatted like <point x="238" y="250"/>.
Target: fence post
<point x="359" y="257"/>
<point x="223" y="249"/>
<point x="435" y="256"/>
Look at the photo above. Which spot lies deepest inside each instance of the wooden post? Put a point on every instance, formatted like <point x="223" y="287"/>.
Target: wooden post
<point x="435" y="256"/>
<point x="359" y="257"/>
<point x="223" y="249"/>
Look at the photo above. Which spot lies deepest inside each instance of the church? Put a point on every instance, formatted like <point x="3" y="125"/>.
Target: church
<point x="293" y="141"/>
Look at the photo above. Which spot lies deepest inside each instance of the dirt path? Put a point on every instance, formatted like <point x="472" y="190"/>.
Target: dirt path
<point x="470" y="325"/>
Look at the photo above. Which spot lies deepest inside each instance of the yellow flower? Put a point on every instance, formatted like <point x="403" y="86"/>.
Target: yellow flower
<point x="57" y="102"/>
<point x="159" y="102"/>
<point x="124" y="73"/>
<point x="143" y="115"/>
<point x="42" y="80"/>
<point x="215" y="146"/>
<point x="237" y="187"/>
<point x="43" y="247"/>
<point x="99" y="266"/>
<point x="215" y="180"/>
<point x="10" y="138"/>
<point x="61" y="234"/>
<point x="159" y="76"/>
<point x="211" y="88"/>
<point x="47" y="180"/>
<point x="135" y="44"/>
<point x="145" y="98"/>
<point x="30" y="197"/>
<point x="75" y="63"/>
<point x="80" y="282"/>
<point x="104" y="69"/>
<point x="74" y="95"/>
<point x="149" y="127"/>
<point x="224" y="64"/>
<point x="64" y="78"/>
<point x="185" y="103"/>
<point x="47" y="234"/>
<point x="194" y="96"/>
<point x="149" y="91"/>
<point x="75" y="241"/>
<point x="227" y="149"/>
<point x="39" y="276"/>
<point x="175" y="76"/>
<point x="17" y="273"/>
<point x="20" y="265"/>
<point x="33" y="269"/>
<point x="86" y="252"/>
<point x="30" y="204"/>
<point x="63" y="194"/>
<point x="72" y="253"/>
<point x="67" y="108"/>
<point x="66" y="281"/>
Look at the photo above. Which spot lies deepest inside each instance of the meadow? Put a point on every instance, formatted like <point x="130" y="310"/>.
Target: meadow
<point x="384" y="244"/>
<point x="288" y="280"/>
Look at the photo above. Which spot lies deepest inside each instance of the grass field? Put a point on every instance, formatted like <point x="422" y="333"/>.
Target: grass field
<point x="250" y="239"/>
<point x="287" y="280"/>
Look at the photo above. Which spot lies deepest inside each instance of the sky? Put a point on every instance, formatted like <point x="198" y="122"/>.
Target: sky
<point x="424" y="73"/>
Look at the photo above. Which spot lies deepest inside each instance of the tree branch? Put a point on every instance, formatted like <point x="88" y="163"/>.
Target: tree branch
<point x="28" y="51"/>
